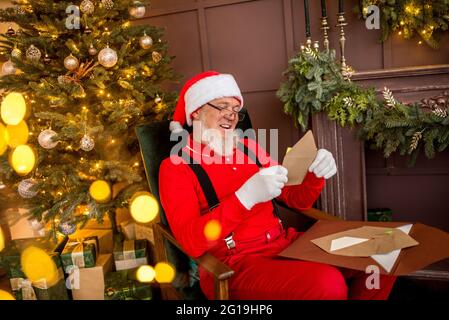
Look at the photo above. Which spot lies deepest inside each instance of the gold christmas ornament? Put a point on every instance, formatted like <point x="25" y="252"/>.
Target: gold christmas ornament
<point x="145" y="41"/>
<point x="87" y="143"/>
<point x="87" y="7"/>
<point x="107" y="57"/>
<point x="108" y="4"/>
<point x="137" y="10"/>
<point x="16" y="53"/>
<point x="46" y="140"/>
<point x="33" y="54"/>
<point x="10" y="32"/>
<point x="8" y="68"/>
<point x="47" y="59"/>
<point x="87" y="30"/>
<point x="92" y="51"/>
<point x="157" y="57"/>
<point x="71" y="62"/>
<point x="3" y="142"/>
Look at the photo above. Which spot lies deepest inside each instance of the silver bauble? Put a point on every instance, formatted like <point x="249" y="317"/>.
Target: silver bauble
<point x="146" y="41"/>
<point x="157" y="99"/>
<point x="33" y="54"/>
<point x="107" y="57"/>
<point x="87" y="143"/>
<point x="137" y="10"/>
<point x="64" y="79"/>
<point x="71" y="62"/>
<point x="45" y="139"/>
<point x="108" y="4"/>
<point x="92" y="50"/>
<point x="67" y="228"/>
<point x="87" y="7"/>
<point x="16" y="53"/>
<point x="24" y="188"/>
<point x="8" y="68"/>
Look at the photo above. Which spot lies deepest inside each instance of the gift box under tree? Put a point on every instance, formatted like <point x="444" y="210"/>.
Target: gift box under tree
<point x="122" y="285"/>
<point x="81" y="253"/>
<point x="23" y="288"/>
<point x="130" y="254"/>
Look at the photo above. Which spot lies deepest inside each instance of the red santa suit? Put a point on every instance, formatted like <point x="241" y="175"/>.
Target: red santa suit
<point x="258" y="235"/>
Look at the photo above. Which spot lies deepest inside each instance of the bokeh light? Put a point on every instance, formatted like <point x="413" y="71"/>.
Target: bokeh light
<point x="165" y="273"/>
<point x="6" y="295"/>
<point x="17" y="135"/>
<point x="13" y="108"/>
<point x="23" y="159"/>
<point x="38" y="265"/>
<point x="100" y="190"/>
<point x="143" y="207"/>
<point x="212" y="230"/>
<point x="145" y="274"/>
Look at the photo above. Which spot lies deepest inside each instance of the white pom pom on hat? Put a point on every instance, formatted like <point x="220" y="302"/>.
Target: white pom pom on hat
<point x="198" y="91"/>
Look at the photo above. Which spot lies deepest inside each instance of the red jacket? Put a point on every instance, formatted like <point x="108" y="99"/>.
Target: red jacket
<point x="186" y="207"/>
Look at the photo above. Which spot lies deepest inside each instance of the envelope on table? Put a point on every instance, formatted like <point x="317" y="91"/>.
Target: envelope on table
<point x="433" y="246"/>
<point x="299" y="158"/>
<point x="365" y="241"/>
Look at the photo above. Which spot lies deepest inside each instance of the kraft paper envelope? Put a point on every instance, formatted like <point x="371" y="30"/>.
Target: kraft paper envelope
<point x="433" y="246"/>
<point x="365" y="241"/>
<point x="299" y="158"/>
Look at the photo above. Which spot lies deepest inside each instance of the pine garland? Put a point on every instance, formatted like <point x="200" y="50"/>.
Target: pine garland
<point x="316" y="85"/>
<point x="427" y="19"/>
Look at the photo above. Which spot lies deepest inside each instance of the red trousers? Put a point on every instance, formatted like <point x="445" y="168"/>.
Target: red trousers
<point x="261" y="275"/>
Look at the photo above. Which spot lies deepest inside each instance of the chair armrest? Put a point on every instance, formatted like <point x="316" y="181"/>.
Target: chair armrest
<point x="210" y="263"/>
<point x="311" y="213"/>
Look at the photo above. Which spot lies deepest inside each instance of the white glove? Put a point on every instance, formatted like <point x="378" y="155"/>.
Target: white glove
<point x="324" y="164"/>
<point x="262" y="186"/>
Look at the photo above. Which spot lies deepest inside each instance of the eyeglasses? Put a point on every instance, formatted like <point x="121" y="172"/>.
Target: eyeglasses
<point x="225" y="111"/>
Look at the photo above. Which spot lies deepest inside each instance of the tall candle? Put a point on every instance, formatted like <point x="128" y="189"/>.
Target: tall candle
<point x="323" y="8"/>
<point x="340" y="6"/>
<point x="306" y="13"/>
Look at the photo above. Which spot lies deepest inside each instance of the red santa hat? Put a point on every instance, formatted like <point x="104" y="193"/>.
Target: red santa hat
<point x="198" y="91"/>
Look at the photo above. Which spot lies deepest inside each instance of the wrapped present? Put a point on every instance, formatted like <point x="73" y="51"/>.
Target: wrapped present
<point x="22" y="226"/>
<point x="88" y="283"/>
<point x="130" y="254"/>
<point x="80" y="252"/>
<point x="120" y="286"/>
<point x="23" y="288"/>
<point x="105" y="238"/>
<point x="144" y="231"/>
<point x="128" y="229"/>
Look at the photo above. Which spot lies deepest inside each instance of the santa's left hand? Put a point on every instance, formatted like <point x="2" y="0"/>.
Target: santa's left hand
<point x="324" y="164"/>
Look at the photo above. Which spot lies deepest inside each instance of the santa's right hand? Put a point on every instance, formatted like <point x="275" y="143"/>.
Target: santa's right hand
<point x="263" y="186"/>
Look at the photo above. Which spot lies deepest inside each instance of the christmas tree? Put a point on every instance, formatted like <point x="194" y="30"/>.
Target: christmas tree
<point x="79" y="77"/>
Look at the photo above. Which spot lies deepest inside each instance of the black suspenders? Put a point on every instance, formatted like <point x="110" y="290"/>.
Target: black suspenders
<point x="206" y="183"/>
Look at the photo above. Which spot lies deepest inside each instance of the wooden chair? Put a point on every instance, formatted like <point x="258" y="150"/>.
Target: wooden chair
<point x="155" y="145"/>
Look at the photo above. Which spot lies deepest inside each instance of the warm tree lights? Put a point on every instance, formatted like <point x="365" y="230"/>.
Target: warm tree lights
<point x="13" y="108"/>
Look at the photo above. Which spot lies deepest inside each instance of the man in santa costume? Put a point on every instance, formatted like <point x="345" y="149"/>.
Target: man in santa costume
<point x="250" y="235"/>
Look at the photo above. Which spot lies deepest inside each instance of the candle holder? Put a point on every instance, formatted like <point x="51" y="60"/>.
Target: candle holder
<point x="309" y="42"/>
<point x="346" y="70"/>
<point x="325" y="27"/>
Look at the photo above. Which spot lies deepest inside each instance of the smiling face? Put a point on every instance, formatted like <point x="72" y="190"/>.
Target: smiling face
<point x="224" y="121"/>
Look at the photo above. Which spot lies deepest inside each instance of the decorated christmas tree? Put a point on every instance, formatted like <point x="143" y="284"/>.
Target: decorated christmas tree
<point x="79" y="77"/>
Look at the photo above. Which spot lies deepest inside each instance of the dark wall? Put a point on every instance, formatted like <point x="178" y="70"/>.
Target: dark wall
<point x="254" y="39"/>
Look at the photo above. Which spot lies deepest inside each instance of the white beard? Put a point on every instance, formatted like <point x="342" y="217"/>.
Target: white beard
<point x="223" y="146"/>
